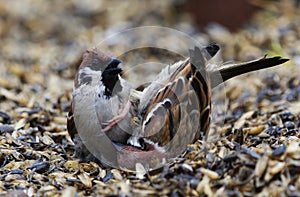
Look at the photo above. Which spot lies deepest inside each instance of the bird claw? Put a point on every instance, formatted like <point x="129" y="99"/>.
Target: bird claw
<point x="107" y="126"/>
<point x="112" y="122"/>
<point x="106" y="129"/>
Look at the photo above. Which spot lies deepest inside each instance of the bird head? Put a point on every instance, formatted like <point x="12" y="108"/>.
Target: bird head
<point x="98" y="68"/>
<point x="96" y="65"/>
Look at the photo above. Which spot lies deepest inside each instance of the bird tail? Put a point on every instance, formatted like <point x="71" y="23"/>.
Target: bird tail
<point x="229" y="71"/>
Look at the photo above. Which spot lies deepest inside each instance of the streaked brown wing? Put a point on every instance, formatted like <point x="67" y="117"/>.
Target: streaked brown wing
<point x="174" y="106"/>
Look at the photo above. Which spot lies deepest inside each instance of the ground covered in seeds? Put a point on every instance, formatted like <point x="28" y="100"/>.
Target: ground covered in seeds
<point x="253" y="148"/>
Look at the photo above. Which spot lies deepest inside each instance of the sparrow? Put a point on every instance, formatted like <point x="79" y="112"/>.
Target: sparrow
<point x="171" y="112"/>
<point x="99" y="94"/>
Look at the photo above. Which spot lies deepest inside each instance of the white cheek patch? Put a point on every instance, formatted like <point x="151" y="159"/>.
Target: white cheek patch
<point x="100" y="91"/>
<point x="88" y="76"/>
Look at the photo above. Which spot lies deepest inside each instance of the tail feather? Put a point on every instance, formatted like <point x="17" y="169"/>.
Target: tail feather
<point x="229" y="71"/>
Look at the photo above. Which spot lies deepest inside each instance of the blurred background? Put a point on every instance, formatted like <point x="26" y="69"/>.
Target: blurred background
<point x="42" y="42"/>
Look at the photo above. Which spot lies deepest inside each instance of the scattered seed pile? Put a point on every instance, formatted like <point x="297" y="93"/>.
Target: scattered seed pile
<point x="254" y="148"/>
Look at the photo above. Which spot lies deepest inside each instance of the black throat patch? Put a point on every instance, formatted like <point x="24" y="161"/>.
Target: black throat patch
<point x="110" y="78"/>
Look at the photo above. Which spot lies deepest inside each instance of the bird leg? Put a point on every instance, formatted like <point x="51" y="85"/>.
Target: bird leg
<point x="112" y="122"/>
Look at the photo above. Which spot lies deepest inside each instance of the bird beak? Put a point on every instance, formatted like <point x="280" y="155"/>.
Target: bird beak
<point x="115" y="66"/>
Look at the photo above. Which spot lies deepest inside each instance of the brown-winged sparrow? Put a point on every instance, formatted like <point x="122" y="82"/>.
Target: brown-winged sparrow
<point x="157" y="123"/>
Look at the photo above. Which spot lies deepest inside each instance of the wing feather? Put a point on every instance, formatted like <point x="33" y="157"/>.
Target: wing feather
<point x="187" y="89"/>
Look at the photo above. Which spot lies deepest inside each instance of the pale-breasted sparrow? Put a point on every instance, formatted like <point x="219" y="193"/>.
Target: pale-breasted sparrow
<point x="173" y="111"/>
<point x="99" y="94"/>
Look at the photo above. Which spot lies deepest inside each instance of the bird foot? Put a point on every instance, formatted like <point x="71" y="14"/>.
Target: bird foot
<point x="112" y="122"/>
